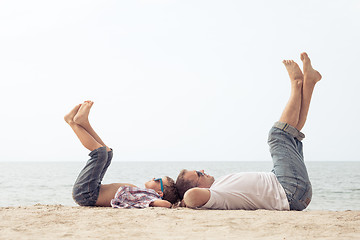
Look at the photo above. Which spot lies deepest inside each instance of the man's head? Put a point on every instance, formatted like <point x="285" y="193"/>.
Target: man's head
<point x="190" y="179"/>
<point x="165" y="187"/>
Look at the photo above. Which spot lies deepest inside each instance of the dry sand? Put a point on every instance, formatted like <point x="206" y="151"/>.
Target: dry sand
<point x="63" y="222"/>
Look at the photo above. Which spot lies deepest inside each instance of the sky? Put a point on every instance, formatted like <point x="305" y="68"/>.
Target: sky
<point x="175" y="80"/>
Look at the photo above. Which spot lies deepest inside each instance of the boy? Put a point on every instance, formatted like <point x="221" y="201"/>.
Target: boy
<point x="88" y="190"/>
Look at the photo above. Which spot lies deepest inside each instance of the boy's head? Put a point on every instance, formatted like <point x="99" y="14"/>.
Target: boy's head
<point x="165" y="187"/>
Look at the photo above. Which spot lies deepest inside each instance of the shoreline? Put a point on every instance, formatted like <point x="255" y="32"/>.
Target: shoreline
<point x="59" y="222"/>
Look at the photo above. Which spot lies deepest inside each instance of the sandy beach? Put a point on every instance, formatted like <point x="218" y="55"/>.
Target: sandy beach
<point x="64" y="222"/>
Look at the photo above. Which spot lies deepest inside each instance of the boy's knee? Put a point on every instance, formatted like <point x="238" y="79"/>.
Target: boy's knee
<point x="83" y="199"/>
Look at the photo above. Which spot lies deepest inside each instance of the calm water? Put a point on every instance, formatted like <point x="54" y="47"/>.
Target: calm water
<point x="336" y="185"/>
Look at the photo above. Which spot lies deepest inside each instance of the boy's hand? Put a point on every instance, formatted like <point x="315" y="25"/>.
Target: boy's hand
<point x="160" y="203"/>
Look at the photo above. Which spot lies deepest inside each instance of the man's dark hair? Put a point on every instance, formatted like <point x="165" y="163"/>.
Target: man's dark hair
<point x="170" y="191"/>
<point x="183" y="185"/>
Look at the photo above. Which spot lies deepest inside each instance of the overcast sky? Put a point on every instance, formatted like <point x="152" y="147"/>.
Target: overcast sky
<point x="175" y="80"/>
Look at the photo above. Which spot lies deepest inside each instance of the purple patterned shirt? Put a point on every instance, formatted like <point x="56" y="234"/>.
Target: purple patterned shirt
<point x="134" y="197"/>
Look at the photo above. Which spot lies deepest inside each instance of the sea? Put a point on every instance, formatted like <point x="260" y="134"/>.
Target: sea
<point x="336" y="185"/>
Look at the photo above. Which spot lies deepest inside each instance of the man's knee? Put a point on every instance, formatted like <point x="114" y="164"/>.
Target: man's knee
<point x="301" y="197"/>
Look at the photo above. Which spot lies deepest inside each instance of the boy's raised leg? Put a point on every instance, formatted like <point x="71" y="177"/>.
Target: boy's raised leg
<point x="291" y="112"/>
<point x="311" y="77"/>
<point x="88" y="183"/>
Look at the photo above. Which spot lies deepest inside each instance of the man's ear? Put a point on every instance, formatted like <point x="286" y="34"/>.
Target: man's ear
<point x="160" y="193"/>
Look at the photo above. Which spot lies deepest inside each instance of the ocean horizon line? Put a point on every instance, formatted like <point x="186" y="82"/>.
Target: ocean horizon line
<point x="177" y="161"/>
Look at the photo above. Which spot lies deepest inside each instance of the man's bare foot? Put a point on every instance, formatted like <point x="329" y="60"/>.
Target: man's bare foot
<point x="310" y="74"/>
<point x="82" y="115"/>
<point x="294" y="71"/>
<point x="70" y="116"/>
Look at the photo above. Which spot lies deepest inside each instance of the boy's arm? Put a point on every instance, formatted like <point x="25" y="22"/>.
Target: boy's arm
<point x="160" y="203"/>
<point x="196" y="197"/>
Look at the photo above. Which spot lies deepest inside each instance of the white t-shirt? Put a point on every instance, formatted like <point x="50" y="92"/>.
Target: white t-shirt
<point x="248" y="191"/>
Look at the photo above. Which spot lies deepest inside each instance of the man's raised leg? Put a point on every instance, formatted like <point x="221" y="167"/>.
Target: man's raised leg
<point x="291" y="112"/>
<point x="286" y="146"/>
<point x="311" y="77"/>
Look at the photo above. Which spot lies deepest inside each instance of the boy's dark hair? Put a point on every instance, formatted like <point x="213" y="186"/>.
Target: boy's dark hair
<point x="170" y="191"/>
<point x="183" y="185"/>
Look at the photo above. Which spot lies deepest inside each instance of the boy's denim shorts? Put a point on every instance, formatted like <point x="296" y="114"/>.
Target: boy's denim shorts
<point x="87" y="185"/>
<point x="287" y="153"/>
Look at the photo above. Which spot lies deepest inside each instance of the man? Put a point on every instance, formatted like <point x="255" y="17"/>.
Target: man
<point x="287" y="186"/>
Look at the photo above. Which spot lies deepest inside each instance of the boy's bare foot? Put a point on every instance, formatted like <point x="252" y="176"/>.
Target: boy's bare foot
<point x="82" y="115"/>
<point x="70" y="116"/>
<point x="294" y="71"/>
<point x="310" y="74"/>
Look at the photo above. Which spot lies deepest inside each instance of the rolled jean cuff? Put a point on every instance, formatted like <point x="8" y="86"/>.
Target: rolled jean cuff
<point x="290" y="129"/>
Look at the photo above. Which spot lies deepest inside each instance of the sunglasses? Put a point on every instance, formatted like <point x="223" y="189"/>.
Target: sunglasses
<point x="199" y="175"/>
<point x="161" y="183"/>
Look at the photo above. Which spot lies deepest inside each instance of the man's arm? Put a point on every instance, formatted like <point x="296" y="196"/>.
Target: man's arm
<point x="196" y="197"/>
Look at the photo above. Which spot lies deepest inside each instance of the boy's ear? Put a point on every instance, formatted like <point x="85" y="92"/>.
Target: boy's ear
<point x="160" y="193"/>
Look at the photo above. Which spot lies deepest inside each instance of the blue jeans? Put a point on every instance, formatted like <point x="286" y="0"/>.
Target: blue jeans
<point x="289" y="167"/>
<point x="87" y="185"/>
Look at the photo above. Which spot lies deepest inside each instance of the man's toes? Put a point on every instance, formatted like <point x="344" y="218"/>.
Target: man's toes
<point x="286" y="62"/>
<point x="304" y="57"/>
